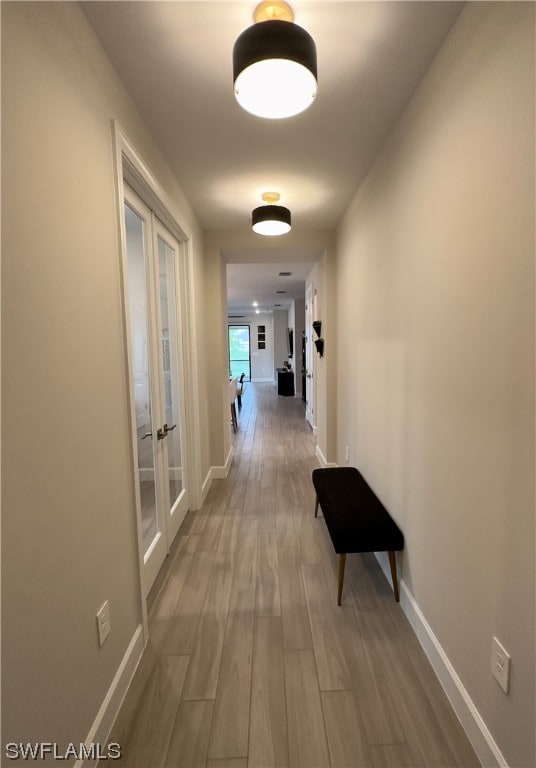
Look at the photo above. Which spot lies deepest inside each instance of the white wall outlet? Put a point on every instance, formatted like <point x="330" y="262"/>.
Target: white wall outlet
<point x="347" y="454"/>
<point x="103" y="622"/>
<point x="500" y="664"/>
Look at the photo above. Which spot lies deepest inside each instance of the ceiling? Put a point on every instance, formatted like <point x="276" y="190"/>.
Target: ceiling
<point x="175" y="59"/>
<point x="264" y="285"/>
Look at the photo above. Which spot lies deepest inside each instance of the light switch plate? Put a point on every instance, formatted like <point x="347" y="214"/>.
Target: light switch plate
<point x="500" y="664"/>
<point x="103" y="622"/>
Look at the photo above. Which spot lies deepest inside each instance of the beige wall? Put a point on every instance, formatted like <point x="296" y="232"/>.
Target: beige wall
<point x="68" y="527"/>
<point x="217" y="346"/>
<point x="436" y="352"/>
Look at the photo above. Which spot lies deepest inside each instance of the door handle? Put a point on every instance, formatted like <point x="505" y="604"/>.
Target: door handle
<point x="162" y="432"/>
<point x="147" y="434"/>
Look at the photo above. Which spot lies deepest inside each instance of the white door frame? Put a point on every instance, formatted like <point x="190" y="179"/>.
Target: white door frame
<point x="175" y="511"/>
<point x="310" y="384"/>
<point x="130" y="167"/>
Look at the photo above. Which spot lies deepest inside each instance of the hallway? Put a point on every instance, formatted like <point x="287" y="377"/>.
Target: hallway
<point x="250" y="662"/>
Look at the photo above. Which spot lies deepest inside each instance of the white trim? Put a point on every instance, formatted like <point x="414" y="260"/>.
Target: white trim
<point x="470" y="718"/>
<point x="119" y="143"/>
<point x="129" y="166"/>
<point x="315" y="429"/>
<point x="322" y="459"/>
<point x="215" y="473"/>
<point x="140" y="178"/>
<point x="220" y="473"/>
<point x="100" y="730"/>
<point x="205" y="488"/>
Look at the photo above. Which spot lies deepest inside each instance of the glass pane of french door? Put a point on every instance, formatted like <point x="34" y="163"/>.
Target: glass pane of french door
<point x="137" y="246"/>
<point x="170" y="367"/>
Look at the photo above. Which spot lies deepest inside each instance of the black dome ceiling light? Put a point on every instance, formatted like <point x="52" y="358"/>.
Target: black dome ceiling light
<point x="271" y="219"/>
<point x="274" y="64"/>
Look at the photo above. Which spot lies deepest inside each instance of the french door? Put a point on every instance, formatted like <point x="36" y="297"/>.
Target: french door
<point x="151" y="284"/>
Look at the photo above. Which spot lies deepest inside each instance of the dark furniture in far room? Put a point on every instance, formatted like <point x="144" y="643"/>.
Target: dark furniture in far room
<point x="285" y="382"/>
<point x="240" y="390"/>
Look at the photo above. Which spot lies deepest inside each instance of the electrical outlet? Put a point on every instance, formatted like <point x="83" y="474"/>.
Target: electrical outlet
<point x="347" y="454"/>
<point x="103" y="622"/>
<point x="500" y="664"/>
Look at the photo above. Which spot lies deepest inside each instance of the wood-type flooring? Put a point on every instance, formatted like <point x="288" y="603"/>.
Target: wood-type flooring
<point x="250" y="662"/>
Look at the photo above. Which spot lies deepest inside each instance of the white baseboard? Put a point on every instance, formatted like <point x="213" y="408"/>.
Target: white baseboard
<point x="100" y="730"/>
<point x="206" y="486"/>
<point x="474" y="726"/>
<point x="217" y="473"/>
<point x="322" y="459"/>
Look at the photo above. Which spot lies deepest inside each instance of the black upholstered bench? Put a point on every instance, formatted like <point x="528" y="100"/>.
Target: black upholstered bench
<point x="356" y="519"/>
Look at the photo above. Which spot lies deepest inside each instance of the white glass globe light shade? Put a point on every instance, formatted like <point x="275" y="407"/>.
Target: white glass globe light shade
<point x="275" y="88"/>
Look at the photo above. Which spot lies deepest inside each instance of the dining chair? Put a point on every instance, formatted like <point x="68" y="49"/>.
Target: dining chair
<point x="232" y="397"/>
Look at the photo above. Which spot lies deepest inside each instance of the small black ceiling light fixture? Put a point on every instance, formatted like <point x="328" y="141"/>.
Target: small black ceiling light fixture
<point x="274" y="64"/>
<point x="271" y="219"/>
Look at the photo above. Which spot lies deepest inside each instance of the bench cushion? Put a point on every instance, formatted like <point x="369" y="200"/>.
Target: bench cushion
<point x="356" y="519"/>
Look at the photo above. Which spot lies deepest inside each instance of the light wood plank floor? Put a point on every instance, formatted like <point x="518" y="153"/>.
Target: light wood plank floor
<point x="250" y="661"/>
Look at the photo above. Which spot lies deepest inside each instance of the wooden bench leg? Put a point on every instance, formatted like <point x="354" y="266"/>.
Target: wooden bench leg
<point x="392" y="563"/>
<point x="316" y="507"/>
<point x="342" y="563"/>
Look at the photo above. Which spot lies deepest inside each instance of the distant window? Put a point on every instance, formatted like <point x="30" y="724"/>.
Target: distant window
<point x="239" y="351"/>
